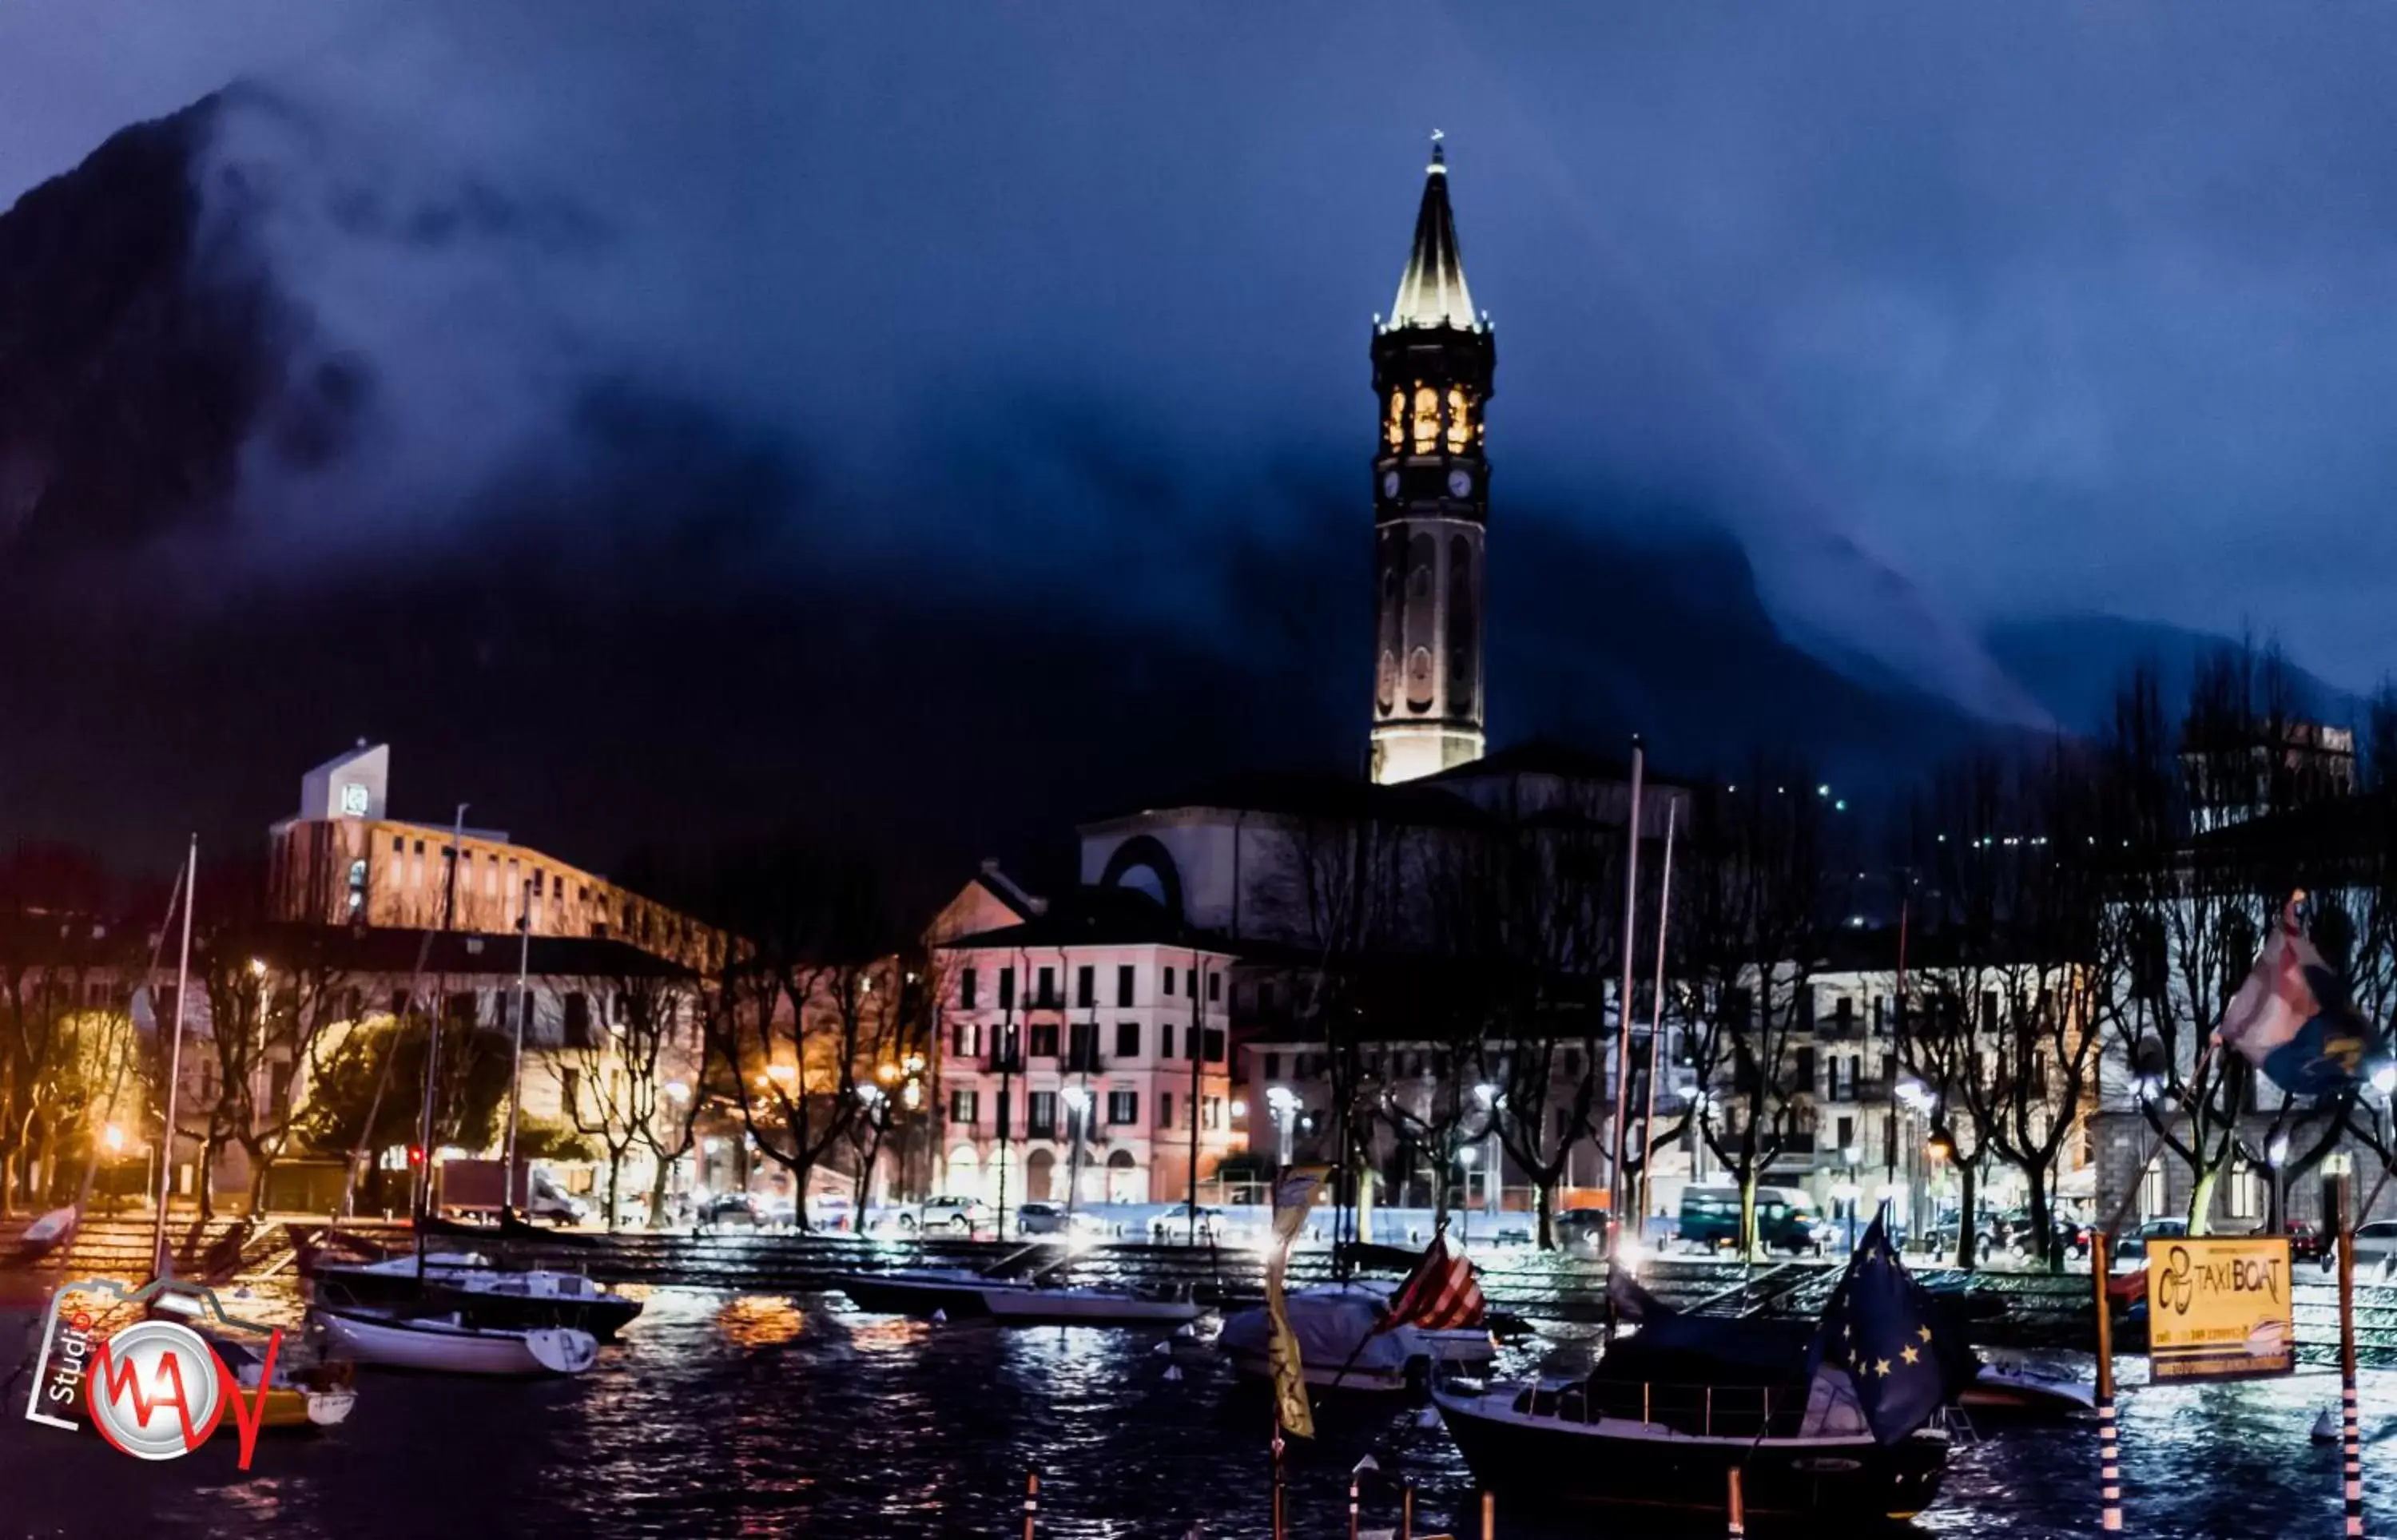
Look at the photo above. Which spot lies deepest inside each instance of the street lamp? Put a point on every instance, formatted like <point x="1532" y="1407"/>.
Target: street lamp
<point x="1283" y="1103"/>
<point x="1493" y="1169"/>
<point x="1078" y="1106"/>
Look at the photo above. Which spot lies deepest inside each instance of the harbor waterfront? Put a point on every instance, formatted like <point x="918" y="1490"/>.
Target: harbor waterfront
<point x="726" y="1412"/>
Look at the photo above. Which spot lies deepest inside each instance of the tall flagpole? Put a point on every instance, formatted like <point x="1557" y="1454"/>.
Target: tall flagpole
<point x="1656" y="1022"/>
<point x="1623" y="1016"/>
<point x="515" y="1058"/>
<point x="425" y="1120"/>
<point x="158" y="1260"/>
<point x="2109" y="1451"/>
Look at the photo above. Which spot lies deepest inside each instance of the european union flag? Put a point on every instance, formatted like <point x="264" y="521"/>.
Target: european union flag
<point x="1886" y="1330"/>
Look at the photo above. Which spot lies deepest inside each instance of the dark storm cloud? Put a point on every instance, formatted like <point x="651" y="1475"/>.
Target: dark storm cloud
<point x="1055" y="317"/>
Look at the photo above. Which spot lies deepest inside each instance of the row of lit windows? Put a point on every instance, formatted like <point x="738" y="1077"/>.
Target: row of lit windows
<point x="1080" y="1047"/>
<point x="1086" y="987"/>
<point x="1042" y="1113"/>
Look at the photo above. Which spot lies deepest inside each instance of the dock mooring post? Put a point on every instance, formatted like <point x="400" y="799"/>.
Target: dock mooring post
<point x="2109" y="1448"/>
<point x="1738" y="1507"/>
<point x="1031" y="1502"/>
<point x="1488" y="1517"/>
<point x="1407" y="1512"/>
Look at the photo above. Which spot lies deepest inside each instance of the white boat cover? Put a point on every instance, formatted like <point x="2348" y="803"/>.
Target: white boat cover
<point x="1331" y="1323"/>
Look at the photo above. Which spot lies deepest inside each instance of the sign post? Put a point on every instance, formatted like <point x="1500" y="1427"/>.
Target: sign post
<point x="2219" y="1308"/>
<point x="2109" y="1451"/>
<point x="2338" y="1186"/>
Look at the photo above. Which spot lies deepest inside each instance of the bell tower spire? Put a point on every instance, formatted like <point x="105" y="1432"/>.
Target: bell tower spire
<point x="1433" y="363"/>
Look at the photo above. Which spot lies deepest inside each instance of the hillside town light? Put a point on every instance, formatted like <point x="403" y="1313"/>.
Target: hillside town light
<point x="113" y="1137"/>
<point x="258" y="966"/>
<point x="677" y="1091"/>
<point x="783" y="1071"/>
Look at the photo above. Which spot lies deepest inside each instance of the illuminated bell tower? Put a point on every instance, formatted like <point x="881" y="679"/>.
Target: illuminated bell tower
<point x="1433" y="360"/>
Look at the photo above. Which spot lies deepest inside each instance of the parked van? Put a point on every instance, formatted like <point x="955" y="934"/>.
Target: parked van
<point x="1786" y="1219"/>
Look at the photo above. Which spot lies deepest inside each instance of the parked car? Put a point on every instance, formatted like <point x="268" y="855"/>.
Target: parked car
<point x="2376" y="1250"/>
<point x="962" y="1214"/>
<point x="831" y="1210"/>
<point x="1583" y="1230"/>
<point x="715" y="1209"/>
<point x="2307" y="1244"/>
<point x="1040" y="1219"/>
<point x="2013" y="1231"/>
<point x="548" y="1200"/>
<point x="2134" y="1246"/>
<point x="1786" y="1219"/>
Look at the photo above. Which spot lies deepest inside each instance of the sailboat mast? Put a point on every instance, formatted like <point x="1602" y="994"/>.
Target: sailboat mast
<point x="1623" y="1014"/>
<point x="158" y="1262"/>
<point x="1655" y="1021"/>
<point x="433" y="1049"/>
<point x="515" y="1058"/>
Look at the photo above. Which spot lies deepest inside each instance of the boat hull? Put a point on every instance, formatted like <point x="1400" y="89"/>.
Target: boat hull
<point x="968" y="1297"/>
<point x="1079" y="1307"/>
<point x="1802" y="1482"/>
<point x="893" y="1294"/>
<point x="601" y="1314"/>
<point x="395" y="1343"/>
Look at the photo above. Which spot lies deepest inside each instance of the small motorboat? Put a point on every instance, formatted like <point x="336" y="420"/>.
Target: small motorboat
<point x="2018" y="1393"/>
<point x="396" y="1339"/>
<point x="46" y="1235"/>
<point x="1344" y="1344"/>
<point x="481" y="1293"/>
<point x="962" y="1293"/>
<point x="302" y="1394"/>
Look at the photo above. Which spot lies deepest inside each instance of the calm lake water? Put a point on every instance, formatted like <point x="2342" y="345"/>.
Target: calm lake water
<point x="726" y="1416"/>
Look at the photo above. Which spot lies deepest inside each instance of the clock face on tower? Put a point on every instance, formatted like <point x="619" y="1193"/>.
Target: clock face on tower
<point x="1460" y="483"/>
<point x="353" y="799"/>
<point x="1390" y="484"/>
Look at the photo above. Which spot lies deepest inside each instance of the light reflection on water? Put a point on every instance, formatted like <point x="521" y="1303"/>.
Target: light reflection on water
<point x="735" y="1416"/>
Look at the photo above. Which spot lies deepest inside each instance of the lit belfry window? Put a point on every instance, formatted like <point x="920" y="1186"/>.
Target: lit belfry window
<point x="1426" y="418"/>
<point x="1460" y="420"/>
<point x="1396" y="428"/>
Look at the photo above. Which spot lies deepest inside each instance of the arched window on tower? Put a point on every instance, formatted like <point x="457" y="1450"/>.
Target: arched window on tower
<point x="1464" y="628"/>
<point x="1427" y="424"/>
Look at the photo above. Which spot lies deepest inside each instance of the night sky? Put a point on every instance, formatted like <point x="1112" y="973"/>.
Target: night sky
<point x="952" y="419"/>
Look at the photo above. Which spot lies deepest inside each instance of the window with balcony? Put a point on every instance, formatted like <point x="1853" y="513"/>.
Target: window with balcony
<point x="1044" y="1040"/>
<point x="1040" y="1117"/>
<point x="1082" y="1047"/>
<point x="1124" y="1107"/>
<point x="1127" y="1040"/>
<point x="964" y="1108"/>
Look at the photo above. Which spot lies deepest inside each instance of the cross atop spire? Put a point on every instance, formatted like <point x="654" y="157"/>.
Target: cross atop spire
<point x="1432" y="291"/>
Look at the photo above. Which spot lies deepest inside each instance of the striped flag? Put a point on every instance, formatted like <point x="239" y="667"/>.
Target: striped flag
<point x="1439" y="1295"/>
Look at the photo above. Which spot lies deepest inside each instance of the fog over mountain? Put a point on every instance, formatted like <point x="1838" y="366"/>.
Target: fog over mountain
<point x="939" y="427"/>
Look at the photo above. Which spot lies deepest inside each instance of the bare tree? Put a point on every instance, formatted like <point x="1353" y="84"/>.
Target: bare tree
<point x="1747" y="912"/>
<point x="812" y="998"/>
<point x="266" y="1019"/>
<point x="617" y="1077"/>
